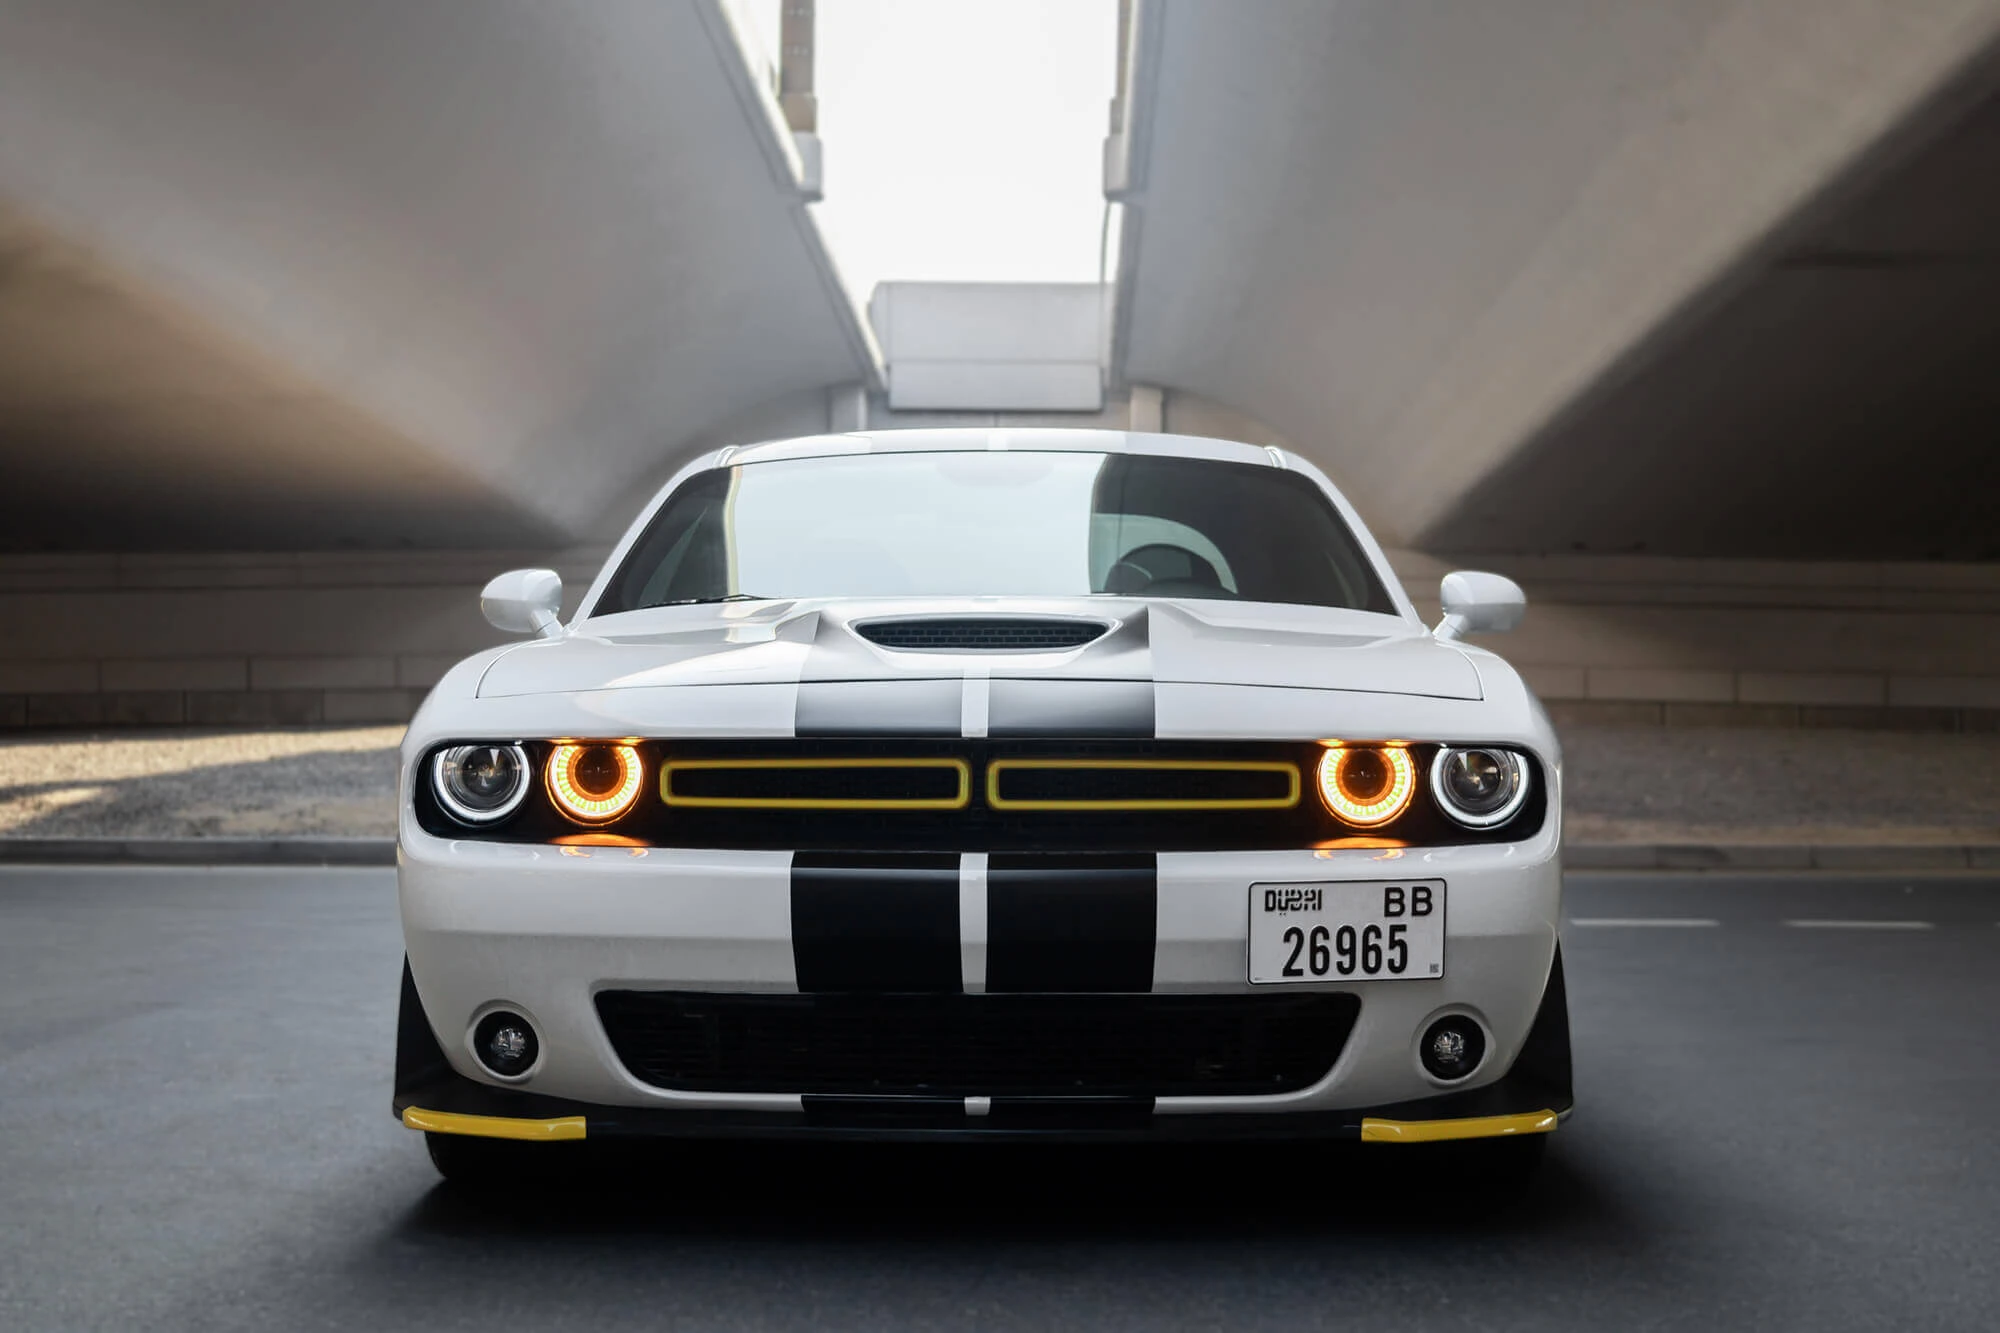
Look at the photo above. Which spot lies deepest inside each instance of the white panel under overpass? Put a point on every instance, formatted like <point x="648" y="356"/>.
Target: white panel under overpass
<point x="991" y="346"/>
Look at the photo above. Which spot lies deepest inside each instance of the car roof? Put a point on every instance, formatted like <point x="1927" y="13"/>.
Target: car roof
<point x="995" y="439"/>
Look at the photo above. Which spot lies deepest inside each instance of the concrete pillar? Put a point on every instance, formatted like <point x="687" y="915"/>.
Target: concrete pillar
<point x="1148" y="408"/>
<point x="795" y="67"/>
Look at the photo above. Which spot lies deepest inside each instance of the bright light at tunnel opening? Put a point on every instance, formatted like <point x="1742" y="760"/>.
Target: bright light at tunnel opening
<point x="1368" y="809"/>
<point x="583" y="806"/>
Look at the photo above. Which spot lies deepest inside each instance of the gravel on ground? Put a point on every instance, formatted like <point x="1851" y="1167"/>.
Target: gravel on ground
<point x="1622" y="785"/>
<point x="308" y="782"/>
<point x="1741" y="785"/>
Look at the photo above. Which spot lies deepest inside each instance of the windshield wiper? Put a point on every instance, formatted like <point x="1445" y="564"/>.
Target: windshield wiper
<point x="706" y="601"/>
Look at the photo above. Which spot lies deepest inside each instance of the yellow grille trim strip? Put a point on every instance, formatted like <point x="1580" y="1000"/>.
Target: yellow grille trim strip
<point x="494" y="1126"/>
<point x="672" y="766"/>
<point x="1285" y="802"/>
<point x="1438" y="1131"/>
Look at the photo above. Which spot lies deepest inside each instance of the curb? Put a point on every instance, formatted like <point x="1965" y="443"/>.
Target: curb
<point x="201" y="851"/>
<point x="1576" y="856"/>
<point x="1780" y="856"/>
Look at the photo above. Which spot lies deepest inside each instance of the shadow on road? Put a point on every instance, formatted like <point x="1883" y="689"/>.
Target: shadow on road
<point x="928" y="1193"/>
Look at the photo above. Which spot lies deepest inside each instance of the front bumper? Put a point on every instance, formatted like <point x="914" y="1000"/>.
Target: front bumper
<point x="542" y="930"/>
<point x="1533" y="1097"/>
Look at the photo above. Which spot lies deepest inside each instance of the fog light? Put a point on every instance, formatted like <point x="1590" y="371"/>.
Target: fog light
<point x="505" y="1043"/>
<point x="1452" y="1047"/>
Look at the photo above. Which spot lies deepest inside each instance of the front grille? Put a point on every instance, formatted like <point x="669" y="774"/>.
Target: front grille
<point x="817" y="783"/>
<point x="1033" y="1045"/>
<point x="1141" y="784"/>
<point x="1001" y="634"/>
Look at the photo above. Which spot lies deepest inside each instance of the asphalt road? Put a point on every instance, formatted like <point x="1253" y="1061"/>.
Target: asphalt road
<point x="1782" y="1125"/>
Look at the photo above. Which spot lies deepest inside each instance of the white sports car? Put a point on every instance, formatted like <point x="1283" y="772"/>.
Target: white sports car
<point x="1030" y="783"/>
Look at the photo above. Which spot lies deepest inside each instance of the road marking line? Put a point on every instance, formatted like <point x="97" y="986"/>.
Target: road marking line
<point x="1861" y="925"/>
<point x="1675" y="922"/>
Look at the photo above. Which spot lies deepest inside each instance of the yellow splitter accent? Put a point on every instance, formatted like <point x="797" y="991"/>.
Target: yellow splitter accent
<point x="1285" y="802"/>
<point x="1372" y="1130"/>
<point x="494" y="1126"/>
<point x="957" y="802"/>
<point x="1439" y="1131"/>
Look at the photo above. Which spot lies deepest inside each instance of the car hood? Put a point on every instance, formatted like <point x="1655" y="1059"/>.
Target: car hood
<point x="1192" y="642"/>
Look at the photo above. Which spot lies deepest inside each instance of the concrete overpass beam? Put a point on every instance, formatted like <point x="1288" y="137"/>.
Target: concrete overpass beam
<point x="484" y="264"/>
<point x="1412" y="235"/>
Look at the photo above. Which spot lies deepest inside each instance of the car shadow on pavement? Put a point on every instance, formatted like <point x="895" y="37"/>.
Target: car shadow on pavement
<point x="922" y="1192"/>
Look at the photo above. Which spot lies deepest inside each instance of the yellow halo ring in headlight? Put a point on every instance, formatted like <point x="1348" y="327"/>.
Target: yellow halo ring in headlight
<point x="1371" y="811"/>
<point x="579" y="804"/>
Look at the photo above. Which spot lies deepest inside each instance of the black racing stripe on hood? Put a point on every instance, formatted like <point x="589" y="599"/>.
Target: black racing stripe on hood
<point x="879" y="707"/>
<point x="1071" y="923"/>
<point x="1070" y="708"/>
<point x="875" y="922"/>
<point x="845" y="691"/>
<point x="848" y="688"/>
<point x="1107" y="690"/>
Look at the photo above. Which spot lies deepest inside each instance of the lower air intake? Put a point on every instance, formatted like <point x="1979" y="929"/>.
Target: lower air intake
<point x="999" y="634"/>
<point x="978" y="1045"/>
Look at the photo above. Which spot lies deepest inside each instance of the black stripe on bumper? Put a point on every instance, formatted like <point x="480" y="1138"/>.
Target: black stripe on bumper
<point x="875" y="922"/>
<point x="1071" y="923"/>
<point x="1002" y="1114"/>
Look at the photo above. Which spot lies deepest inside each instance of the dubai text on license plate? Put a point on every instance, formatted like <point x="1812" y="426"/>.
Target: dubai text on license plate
<point x="1371" y="930"/>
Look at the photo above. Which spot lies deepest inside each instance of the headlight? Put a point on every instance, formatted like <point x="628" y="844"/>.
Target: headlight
<point x="1479" y="788"/>
<point x="1367" y="785"/>
<point x="594" y="783"/>
<point x="479" y="784"/>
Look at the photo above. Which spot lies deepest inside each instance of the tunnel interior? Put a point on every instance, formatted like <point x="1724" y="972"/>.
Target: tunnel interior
<point x="1837" y="399"/>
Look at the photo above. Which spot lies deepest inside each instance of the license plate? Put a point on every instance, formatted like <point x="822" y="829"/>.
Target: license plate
<point x="1372" y="930"/>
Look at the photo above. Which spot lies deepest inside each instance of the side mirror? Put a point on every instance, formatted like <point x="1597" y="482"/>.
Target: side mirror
<point x="524" y="601"/>
<point x="1476" y="603"/>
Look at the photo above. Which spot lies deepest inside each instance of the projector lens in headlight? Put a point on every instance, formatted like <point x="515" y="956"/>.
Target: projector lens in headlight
<point x="1367" y="785"/>
<point x="479" y="784"/>
<point x="1479" y="788"/>
<point x="594" y="783"/>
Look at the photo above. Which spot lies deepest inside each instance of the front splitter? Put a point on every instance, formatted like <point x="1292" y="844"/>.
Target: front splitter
<point x="1513" y="1106"/>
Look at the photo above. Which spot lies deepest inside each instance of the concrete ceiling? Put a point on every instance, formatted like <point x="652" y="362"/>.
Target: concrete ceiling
<point x="1840" y="399"/>
<point x="382" y="273"/>
<point x="1570" y="274"/>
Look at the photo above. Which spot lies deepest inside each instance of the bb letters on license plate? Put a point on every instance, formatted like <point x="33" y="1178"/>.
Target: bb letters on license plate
<point x="1378" y="930"/>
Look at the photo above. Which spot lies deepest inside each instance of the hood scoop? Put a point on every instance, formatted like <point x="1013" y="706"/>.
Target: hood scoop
<point x="982" y="634"/>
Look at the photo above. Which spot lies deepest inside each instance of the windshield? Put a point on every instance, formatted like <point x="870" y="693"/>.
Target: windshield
<point x="997" y="523"/>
